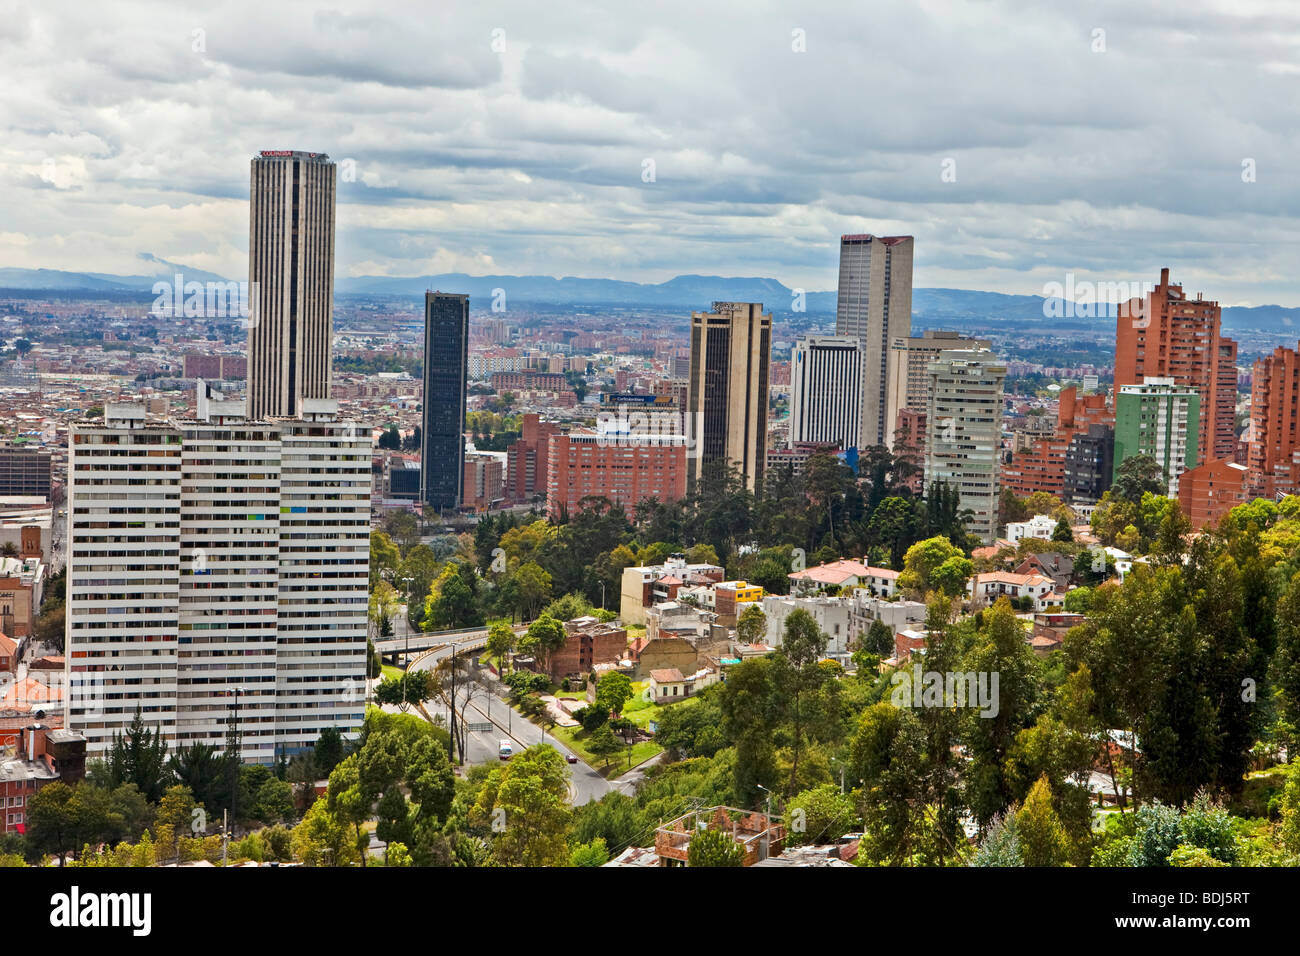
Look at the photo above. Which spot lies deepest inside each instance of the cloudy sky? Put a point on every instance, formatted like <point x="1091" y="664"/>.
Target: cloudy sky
<point x="1018" y="140"/>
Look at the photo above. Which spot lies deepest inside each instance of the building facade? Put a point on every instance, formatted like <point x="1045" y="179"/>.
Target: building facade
<point x="291" y="280"/>
<point x="731" y="348"/>
<point x="1164" y="334"/>
<point x="217" y="577"/>
<point x="874" y="306"/>
<point x="1274" y="448"/>
<point x="826" y="374"/>
<point x="24" y="472"/>
<point x="1161" y="419"/>
<point x="442" y="430"/>
<point x="908" y="370"/>
<point x="964" y="432"/>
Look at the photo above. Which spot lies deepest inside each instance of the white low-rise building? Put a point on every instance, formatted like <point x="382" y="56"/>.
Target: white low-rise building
<point x="1039" y="526"/>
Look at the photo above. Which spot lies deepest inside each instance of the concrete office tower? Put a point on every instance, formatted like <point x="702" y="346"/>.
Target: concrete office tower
<point x="964" y="432"/>
<point x="826" y="373"/>
<point x="442" y="431"/>
<point x="1159" y="418"/>
<point x="731" y="348"/>
<point x="874" y="306"/>
<point x="908" y="370"/>
<point x="1166" y="335"/>
<point x="291" y="281"/>
<point x="242" y="567"/>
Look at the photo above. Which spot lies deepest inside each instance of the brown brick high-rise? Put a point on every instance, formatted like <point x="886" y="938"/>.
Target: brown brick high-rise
<point x="1166" y="334"/>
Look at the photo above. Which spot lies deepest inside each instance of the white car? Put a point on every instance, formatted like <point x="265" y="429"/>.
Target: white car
<point x="505" y="752"/>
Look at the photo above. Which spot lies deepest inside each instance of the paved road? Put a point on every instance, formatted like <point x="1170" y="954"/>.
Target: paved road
<point x="484" y="746"/>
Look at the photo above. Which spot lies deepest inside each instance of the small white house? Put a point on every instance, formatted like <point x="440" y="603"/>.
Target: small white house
<point x="1039" y="526"/>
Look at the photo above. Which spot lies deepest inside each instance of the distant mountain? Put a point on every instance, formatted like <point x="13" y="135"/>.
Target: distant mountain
<point x="930" y="307"/>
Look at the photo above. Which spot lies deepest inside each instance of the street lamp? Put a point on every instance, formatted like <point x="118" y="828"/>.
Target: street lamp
<point x="454" y="741"/>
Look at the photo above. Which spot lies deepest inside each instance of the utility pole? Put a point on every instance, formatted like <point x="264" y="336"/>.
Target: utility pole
<point x="235" y="759"/>
<point x="455" y="741"/>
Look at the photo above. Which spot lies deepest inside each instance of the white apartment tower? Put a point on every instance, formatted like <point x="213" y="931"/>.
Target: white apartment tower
<point x="964" y="432"/>
<point x="826" y="374"/>
<point x="874" y="306"/>
<point x="214" y="562"/>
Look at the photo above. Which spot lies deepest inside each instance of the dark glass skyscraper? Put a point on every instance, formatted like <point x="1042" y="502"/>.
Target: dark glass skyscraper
<point x="446" y="351"/>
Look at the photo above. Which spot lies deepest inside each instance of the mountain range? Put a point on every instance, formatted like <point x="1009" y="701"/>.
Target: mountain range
<point x="680" y="293"/>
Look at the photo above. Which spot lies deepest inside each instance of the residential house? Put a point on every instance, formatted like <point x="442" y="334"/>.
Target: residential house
<point x="1039" y="526"/>
<point x="985" y="589"/>
<point x="1052" y="564"/>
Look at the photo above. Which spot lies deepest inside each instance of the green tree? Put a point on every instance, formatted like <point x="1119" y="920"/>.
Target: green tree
<point x="820" y="815"/>
<point x="613" y="691"/>
<point x="1043" y="839"/>
<point x="531" y="791"/>
<point x="879" y="639"/>
<point x="751" y="626"/>
<point x="594" y="853"/>
<point x="500" y="641"/>
<point x="713" y="848"/>
<point x="1138" y="475"/>
<point x="139" y="756"/>
<point x="603" y="743"/>
<point x="924" y="559"/>
<point x="51" y="820"/>
<point x="322" y="839"/>
<point x="329" y="750"/>
<point x="802" y="645"/>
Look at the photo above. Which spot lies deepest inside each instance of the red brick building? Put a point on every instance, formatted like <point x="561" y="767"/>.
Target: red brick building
<point x="1274" y="456"/>
<point x="587" y="642"/>
<point x="526" y="460"/>
<point x="484" y="482"/>
<point x="518" y="381"/>
<point x="909" y="444"/>
<point x="1166" y="334"/>
<point x="1209" y="491"/>
<point x="44" y="756"/>
<point x="626" y="471"/>
<point x="1041" y="467"/>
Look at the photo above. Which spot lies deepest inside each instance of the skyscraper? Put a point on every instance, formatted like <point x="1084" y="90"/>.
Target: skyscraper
<point x="964" y="432"/>
<point x="291" y="281"/>
<point x="442" y="432"/>
<point x="874" y="306"/>
<point x="908" y="370"/>
<point x="1163" y="334"/>
<point x="731" y="348"/>
<point x="826" y="390"/>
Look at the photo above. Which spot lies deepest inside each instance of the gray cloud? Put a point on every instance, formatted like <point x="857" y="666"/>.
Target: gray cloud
<point x="528" y="158"/>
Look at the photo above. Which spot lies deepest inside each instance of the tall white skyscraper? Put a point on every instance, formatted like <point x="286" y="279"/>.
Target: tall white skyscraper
<point x="291" y="279"/>
<point x="874" y="306"/>
<point x="964" y="432"/>
<point x="826" y="373"/>
<point x="213" y="561"/>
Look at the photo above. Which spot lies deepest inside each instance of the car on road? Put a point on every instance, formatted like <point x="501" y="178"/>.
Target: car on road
<point x="572" y="758"/>
<point x="505" y="751"/>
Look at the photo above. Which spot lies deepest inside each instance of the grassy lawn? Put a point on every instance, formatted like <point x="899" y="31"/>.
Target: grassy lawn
<point x="391" y="672"/>
<point x="575" y="738"/>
